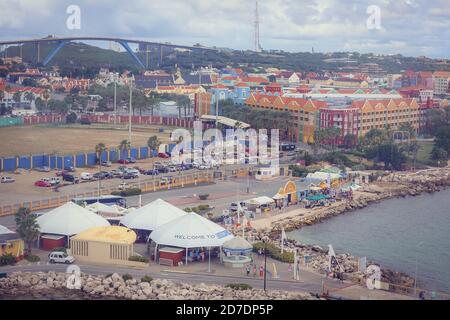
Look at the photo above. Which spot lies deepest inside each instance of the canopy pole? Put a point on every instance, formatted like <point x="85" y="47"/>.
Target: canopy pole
<point x="186" y="255"/>
<point x="209" y="259"/>
<point x="156" y="251"/>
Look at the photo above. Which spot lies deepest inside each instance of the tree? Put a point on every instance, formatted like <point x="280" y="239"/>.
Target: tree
<point x="124" y="145"/>
<point x="434" y="120"/>
<point x="29" y="82"/>
<point x="439" y="155"/>
<point x="29" y="96"/>
<point x="350" y="140"/>
<point x="71" y="118"/>
<point x="99" y="149"/>
<point x="443" y="138"/>
<point x="46" y="97"/>
<point x="40" y="105"/>
<point x="27" y="227"/>
<point x="17" y="97"/>
<point x="153" y="143"/>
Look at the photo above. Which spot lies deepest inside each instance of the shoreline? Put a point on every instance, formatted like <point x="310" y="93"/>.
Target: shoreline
<point x="397" y="185"/>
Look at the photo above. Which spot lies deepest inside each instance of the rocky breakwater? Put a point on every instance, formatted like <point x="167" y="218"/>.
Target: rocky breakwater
<point x="53" y="285"/>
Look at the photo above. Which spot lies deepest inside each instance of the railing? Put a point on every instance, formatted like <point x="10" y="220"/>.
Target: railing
<point x="148" y="186"/>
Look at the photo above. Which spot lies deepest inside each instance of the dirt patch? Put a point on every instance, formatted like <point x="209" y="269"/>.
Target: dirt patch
<point x="25" y="140"/>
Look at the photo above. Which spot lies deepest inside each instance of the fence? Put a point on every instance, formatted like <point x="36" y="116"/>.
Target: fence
<point x="80" y="160"/>
<point x="147" y="186"/>
<point x="6" y="122"/>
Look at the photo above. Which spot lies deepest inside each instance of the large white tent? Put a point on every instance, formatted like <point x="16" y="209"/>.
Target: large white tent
<point x="69" y="219"/>
<point x="191" y="231"/>
<point x="152" y="216"/>
<point x="4" y="230"/>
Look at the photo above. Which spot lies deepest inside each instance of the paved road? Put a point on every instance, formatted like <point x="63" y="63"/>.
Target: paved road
<point x="194" y="278"/>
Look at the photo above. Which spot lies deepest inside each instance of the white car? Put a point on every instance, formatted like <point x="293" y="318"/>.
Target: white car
<point x="8" y="180"/>
<point x="54" y="181"/>
<point x="86" y="176"/>
<point x="123" y="186"/>
<point x="132" y="171"/>
<point x="60" y="257"/>
<point x="204" y="167"/>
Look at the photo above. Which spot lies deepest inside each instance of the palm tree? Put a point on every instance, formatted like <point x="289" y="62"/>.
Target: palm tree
<point x="46" y="97"/>
<point x="29" y="96"/>
<point x="17" y="97"/>
<point x="124" y="145"/>
<point x="99" y="149"/>
<point x="27" y="227"/>
<point x="153" y="143"/>
<point x="150" y="104"/>
<point x="2" y="95"/>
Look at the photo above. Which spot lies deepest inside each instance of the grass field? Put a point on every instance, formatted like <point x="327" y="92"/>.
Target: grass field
<point x="25" y="140"/>
<point x="424" y="153"/>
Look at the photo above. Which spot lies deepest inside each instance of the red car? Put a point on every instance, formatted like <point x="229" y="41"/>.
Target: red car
<point x="163" y="155"/>
<point x="41" y="183"/>
<point x="123" y="161"/>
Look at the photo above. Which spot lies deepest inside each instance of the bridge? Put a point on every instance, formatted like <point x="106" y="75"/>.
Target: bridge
<point x="62" y="41"/>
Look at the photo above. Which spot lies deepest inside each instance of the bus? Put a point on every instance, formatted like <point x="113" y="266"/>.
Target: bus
<point x="108" y="200"/>
<point x="287" y="146"/>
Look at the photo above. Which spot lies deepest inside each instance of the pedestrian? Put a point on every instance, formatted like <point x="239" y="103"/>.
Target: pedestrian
<point x="254" y="270"/>
<point x="261" y="271"/>
<point x="260" y="252"/>
<point x="290" y="267"/>
<point x="248" y="270"/>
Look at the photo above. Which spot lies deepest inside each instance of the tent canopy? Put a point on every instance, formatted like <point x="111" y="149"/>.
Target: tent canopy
<point x="237" y="245"/>
<point x="108" y="234"/>
<point x="69" y="219"/>
<point x="191" y="231"/>
<point x="152" y="215"/>
<point x="4" y="230"/>
<point x="260" y="201"/>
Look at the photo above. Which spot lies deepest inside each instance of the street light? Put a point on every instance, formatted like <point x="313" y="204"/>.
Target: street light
<point x="415" y="275"/>
<point x="265" y="239"/>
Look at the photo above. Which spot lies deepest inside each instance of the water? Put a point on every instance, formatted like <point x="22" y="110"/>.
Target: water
<point x="395" y="233"/>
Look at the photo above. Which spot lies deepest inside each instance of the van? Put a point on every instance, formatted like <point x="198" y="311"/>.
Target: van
<point x="86" y="176"/>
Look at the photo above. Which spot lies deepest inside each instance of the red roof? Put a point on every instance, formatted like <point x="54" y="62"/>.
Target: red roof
<point x="242" y="85"/>
<point x="220" y="86"/>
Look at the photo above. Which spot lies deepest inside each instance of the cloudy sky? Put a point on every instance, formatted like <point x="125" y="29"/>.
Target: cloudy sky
<point x="409" y="27"/>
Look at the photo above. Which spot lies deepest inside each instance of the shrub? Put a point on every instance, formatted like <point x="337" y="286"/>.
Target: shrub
<point x="188" y="209"/>
<point x="146" y="279"/>
<point x="274" y="252"/>
<point x="127" y="193"/>
<point x="138" y="259"/>
<point x="60" y="249"/>
<point x="7" y="260"/>
<point x="203" y="196"/>
<point x="127" y="276"/>
<point x="239" y="286"/>
<point x="32" y="258"/>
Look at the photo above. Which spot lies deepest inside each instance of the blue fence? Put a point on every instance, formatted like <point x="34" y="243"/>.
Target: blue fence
<point x="74" y="160"/>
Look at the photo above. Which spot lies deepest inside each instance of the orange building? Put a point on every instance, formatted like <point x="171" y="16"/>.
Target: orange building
<point x="305" y="114"/>
<point x="384" y="114"/>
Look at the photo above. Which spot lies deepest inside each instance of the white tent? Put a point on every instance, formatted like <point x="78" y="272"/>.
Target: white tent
<point x="152" y="215"/>
<point x="4" y="230"/>
<point x="237" y="245"/>
<point x="260" y="201"/>
<point x="98" y="206"/>
<point x="69" y="219"/>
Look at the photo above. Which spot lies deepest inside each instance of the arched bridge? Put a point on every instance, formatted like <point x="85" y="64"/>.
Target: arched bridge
<point x="62" y="41"/>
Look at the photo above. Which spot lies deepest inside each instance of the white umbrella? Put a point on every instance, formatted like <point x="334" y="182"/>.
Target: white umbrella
<point x="152" y="215"/>
<point x="69" y="219"/>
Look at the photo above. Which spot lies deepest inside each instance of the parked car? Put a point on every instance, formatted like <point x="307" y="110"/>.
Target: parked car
<point x="122" y="168"/>
<point x="116" y="173"/>
<point x="8" y="180"/>
<point x="102" y="175"/>
<point x="151" y="172"/>
<point x="55" y="181"/>
<point x="123" y="161"/>
<point x="163" y="155"/>
<point x="163" y="169"/>
<point x="70" y="169"/>
<point x="204" y="166"/>
<point x="123" y="186"/>
<point x="131" y="160"/>
<point x="291" y="153"/>
<point x="141" y="170"/>
<point x="70" y="178"/>
<point x="165" y="180"/>
<point x="42" y="183"/>
<point x="86" y="176"/>
<point x="60" y="257"/>
<point x="106" y="163"/>
<point x="173" y="169"/>
<point x="42" y="169"/>
<point x="130" y="176"/>
<point x="187" y="166"/>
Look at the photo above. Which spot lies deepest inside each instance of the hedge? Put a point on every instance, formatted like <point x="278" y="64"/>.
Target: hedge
<point x="127" y="193"/>
<point x="7" y="260"/>
<point x="274" y="252"/>
<point x="146" y="279"/>
<point x="239" y="286"/>
<point x="33" y="258"/>
<point x="127" y="276"/>
<point x="138" y="259"/>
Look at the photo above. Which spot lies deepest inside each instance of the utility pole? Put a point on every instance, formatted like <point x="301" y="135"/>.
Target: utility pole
<point x="265" y="263"/>
<point x="256" y="26"/>
<point x="130" y="110"/>
<point x="115" y="99"/>
<point x="217" y="105"/>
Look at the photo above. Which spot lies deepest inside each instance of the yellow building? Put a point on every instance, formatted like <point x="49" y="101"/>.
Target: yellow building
<point x="287" y="194"/>
<point x="384" y="114"/>
<point x="10" y="243"/>
<point x="104" y="245"/>
<point x="305" y="114"/>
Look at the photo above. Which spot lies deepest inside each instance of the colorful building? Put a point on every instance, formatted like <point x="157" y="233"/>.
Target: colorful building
<point x="10" y="243"/>
<point x="346" y="119"/>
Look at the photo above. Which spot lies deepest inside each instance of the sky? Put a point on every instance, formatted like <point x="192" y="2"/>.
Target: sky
<point x="408" y="27"/>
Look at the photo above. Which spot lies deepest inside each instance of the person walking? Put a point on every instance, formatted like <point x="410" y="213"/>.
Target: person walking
<point x="261" y="271"/>
<point x="248" y="270"/>
<point x="254" y="270"/>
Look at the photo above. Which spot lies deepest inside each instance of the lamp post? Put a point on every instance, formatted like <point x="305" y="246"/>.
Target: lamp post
<point x="417" y="267"/>
<point x="130" y="110"/>
<point x="265" y="262"/>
